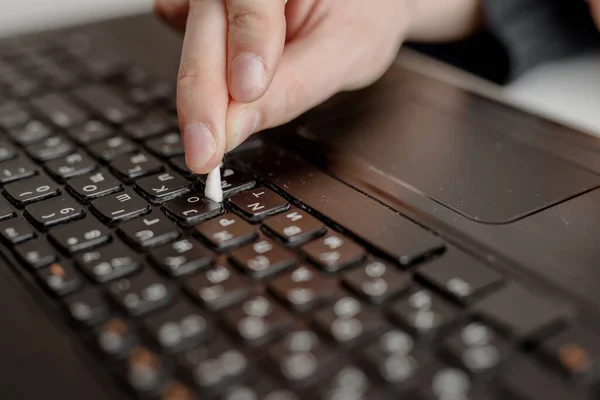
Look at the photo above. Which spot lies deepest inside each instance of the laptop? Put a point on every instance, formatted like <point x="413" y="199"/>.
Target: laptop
<point x="417" y="239"/>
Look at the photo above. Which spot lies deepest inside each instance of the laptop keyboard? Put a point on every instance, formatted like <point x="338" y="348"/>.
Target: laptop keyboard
<point x="262" y="297"/>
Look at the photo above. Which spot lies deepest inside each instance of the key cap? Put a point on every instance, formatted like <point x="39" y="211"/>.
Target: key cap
<point x="50" y="148"/>
<point x="333" y="252"/>
<point x="192" y="208"/>
<point x="115" y="338"/>
<point x="262" y="388"/>
<point x="262" y="259"/>
<point x="575" y="351"/>
<point x="181" y="257"/>
<point x="257" y="321"/>
<point x="12" y="115"/>
<point x="135" y="165"/>
<point x="349" y="382"/>
<point x="232" y="181"/>
<point x="303" y="288"/>
<point x="151" y="230"/>
<point x="80" y="235"/>
<point x="16" y="230"/>
<point x="36" y="253"/>
<point x="348" y="322"/>
<point x="120" y="206"/>
<point x="16" y="169"/>
<point x="151" y="124"/>
<point x="31" y="190"/>
<point x="226" y="231"/>
<point x="520" y="312"/>
<point x="167" y="145"/>
<point x="217" y="287"/>
<point x="6" y="210"/>
<point x="31" y="132"/>
<point x="423" y="313"/>
<point x="107" y="103"/>
<point x="93" y="186"/>
<point x="377" y="281"/>
<point x="60" y="278"/>
<point x="259" y="203"/>
<point x="91" y="131"/>
<point x="476" y="348"/>
<point x="108" y="149"/>
<point x="443" y="382"/>
<point x="163" y="187"/>
<point x="70" y="166"/>
<point x="87" y="307"/>
<point x="179" y="164"/>
<point x="301" y="358"/>
<point x="295" y="226"/>
<point x="144" y="372"/>
<point x="147" y="94"/>
<point x="108" y="263"/>
<point x="179" y="327"/>
<point x="58" y="109"/>
<point x="7" y="150"/>
<point x="54" y="211"/>
<point x="142" y="293"/>
<point x="459" y="276"/>
<point x="524" y="380"/>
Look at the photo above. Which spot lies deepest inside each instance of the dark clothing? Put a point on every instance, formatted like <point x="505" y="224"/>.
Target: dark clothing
<point x="520" y="35"/>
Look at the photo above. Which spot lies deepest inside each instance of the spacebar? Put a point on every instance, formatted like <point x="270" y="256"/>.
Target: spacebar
<point x="381" y="227"/>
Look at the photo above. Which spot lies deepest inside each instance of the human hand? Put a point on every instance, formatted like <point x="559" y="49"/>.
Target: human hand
<point x="595" y="9"/>
<point x="249" y="65"/>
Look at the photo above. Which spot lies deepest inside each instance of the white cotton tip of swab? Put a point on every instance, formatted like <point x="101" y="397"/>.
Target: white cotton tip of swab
<point x="213" y="189"/>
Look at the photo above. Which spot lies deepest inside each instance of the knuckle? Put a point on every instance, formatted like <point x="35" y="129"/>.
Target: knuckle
<point x="245" y="17"/>
<point x="187" y="75"/>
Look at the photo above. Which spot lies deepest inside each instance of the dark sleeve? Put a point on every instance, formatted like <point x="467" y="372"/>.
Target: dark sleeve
<point x="520" y="35"/>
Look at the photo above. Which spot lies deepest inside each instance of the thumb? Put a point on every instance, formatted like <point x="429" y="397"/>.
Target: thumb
<point x="595" y="9"/>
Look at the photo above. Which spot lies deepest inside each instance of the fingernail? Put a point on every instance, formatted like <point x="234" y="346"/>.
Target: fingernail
<point x="248" y="77"/>
<point x="248" y="123"/>
<point x="200" y="145"/>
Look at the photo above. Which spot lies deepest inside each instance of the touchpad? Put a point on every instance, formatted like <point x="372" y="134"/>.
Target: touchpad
<point x="463" y="159"/>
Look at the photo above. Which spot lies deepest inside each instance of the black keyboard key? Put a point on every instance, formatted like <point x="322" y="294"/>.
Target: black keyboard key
<point x="50" y="148"/>
<point x="295" y="226"/>
<point x="36" y="253"/>
<point x="6" y="210"/>
<point x="257" y="320"/>
<point x="58" y="109"/>
<point x="94" y="185"/>
<point x="262" y="388"/>
<point x="91" y="131"/>
<point x="107" y="149"/>
<point x="217" y="287"/>
<point x="521" y="312"/>
<point x="60" y="278"/>
<point x="116" y="338"/>
<point x="523" y="379"/>
<point x="262" y="258"/>
<point x="30" y="190"/>
<point x="16" y="169"/>
<point x="120" y="206"/>
<point x="87" y="307"/>
<point x="144" y="372"/>
<point x="442" y="383"/>
<point x="575" y="351"/>
<point x="80" y="235"/>
<point x="377" y="281"/>
<point x="303" y="288"/>
<point x="142" y="293"/>
<point x="108" y="263"/>
<point x="301" y="358"/>
<point x="12" y="115"/>
<point x="107" y="103"/>
<point x="349" y="382"/>
<point x="333" y="252"/>
<point x="31" y="132"/>
<point x="7" y="150"/>
<point x="226" y="231"/>
<point x="70" y="166"/>
<point x="347" y="322"/>
<point x="259" y="203"/>
<point x="152" y="124"/>
<point x="180" y="165"/>
<point x="179" y="327"/>
<point x="460" y="276"/>
<point x="192" y="208"/>
<point x="233" y="181"/>
<point x="181" y="257"/>
<point x="16" y="230"/>
<point x="135" y="165"/>
<point x="54" y="211"/>
<point x="151" y="230"/>
<point x="423" y="313"/>
<point x="167" y="145"/>
<point x="163" y="187"/>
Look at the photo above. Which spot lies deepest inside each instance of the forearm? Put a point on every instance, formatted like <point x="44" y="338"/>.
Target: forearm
<point x="443" y="20"/>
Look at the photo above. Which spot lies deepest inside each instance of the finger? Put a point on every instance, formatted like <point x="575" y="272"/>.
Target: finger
<point x="173" y="12"/>
<point x="255" y="43"/>
<point x="202" y="95"/>
<point x="595" y="8"/>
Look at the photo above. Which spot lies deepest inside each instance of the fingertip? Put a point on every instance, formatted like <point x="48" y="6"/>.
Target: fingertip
<point x="248" y="78"/>
<point x="242" y="123"/>
<point x="201" y="150"/>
